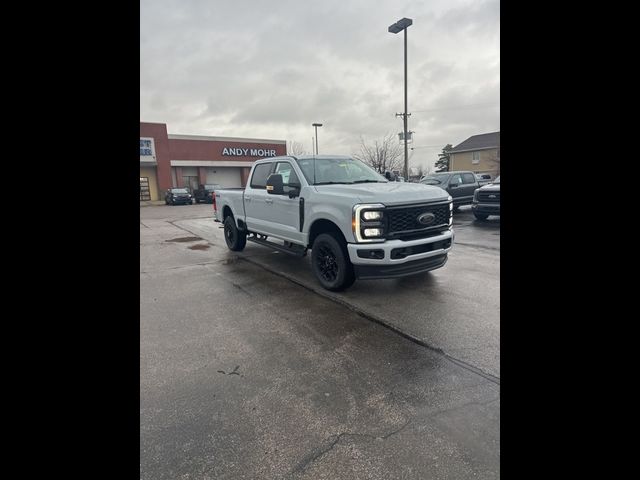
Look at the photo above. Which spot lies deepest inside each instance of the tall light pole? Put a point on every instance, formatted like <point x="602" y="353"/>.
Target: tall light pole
<point x="398" y="27"/>
<point x="316" y="125"/>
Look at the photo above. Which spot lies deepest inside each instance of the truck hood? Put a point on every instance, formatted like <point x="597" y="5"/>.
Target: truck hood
<point x="491" y="187"/>
<point x="391" y="193"/>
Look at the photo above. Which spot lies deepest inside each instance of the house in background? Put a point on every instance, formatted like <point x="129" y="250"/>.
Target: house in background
<point x="479" y="154"/>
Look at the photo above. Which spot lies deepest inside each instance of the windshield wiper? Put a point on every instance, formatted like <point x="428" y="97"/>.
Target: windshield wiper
<point x="332" y="183"/>
<point x="369" y="181"/>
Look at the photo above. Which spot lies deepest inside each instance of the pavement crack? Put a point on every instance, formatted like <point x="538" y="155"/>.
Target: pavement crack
<point x="315" y="455"/>
<point x="242" y="289"/>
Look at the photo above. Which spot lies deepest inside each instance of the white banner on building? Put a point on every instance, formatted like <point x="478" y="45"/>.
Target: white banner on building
<point x="147" y="149"/>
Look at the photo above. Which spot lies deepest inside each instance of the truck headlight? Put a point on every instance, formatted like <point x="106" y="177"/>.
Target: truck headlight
<point x="368" y="222"/>
<point x="475" y="195"/>
<point x="372" y="232"/>
<point x="372" y="215"/>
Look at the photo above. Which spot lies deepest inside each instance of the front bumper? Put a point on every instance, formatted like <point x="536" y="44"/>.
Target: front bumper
<point x="401" y="258"/>
<point x="486" y="208"/>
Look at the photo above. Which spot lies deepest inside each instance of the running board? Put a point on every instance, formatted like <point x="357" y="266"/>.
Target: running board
<point x="297" y="250"/>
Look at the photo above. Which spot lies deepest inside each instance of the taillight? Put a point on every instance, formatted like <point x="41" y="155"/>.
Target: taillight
<point x="215" y="208"/>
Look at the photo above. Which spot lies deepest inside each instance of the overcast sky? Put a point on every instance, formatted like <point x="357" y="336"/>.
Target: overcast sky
<point x="269" y="69"/>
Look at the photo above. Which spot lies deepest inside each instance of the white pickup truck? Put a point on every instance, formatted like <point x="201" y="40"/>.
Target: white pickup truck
<point x="356" y="223"/>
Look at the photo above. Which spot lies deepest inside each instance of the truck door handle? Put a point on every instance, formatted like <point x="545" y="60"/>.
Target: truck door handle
<point x="248" y="199"/>
<point x="269" y="200"/>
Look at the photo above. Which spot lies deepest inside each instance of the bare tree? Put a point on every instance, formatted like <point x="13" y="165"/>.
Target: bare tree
<point x="296" y="148"/>
<point x="383" y="155"/>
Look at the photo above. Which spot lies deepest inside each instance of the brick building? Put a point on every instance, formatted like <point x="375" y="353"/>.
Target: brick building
<point x="168" y="161"/>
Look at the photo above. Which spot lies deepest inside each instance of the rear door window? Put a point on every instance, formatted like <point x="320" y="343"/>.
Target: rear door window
<point x="468" y="178"/>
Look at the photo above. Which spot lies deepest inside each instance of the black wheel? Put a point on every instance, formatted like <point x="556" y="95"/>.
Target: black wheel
<point x="236" y="239"/>
<point x="481" y="216"/>
<point x="330" y="262"/>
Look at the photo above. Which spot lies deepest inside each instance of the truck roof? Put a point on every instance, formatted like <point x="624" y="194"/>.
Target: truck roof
<point x="301" y="157"/>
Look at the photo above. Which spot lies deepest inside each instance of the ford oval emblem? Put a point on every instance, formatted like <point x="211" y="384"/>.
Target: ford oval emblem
<point x="426" y="218"/>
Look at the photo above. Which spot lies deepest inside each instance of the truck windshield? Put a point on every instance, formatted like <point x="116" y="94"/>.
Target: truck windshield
<point x="338" y="170"/>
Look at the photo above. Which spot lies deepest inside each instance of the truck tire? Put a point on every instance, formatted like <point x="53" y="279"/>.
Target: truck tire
<point x="236" y="239"/>
<point x="330" y="262"/>
<point x="481" y="216"/>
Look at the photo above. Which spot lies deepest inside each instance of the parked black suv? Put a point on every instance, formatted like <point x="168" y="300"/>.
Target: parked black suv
<point x="460" y="185"/>
<point x="177" y="196"/>
<point x="205" y="193"/>
<point x="486" y="200"/>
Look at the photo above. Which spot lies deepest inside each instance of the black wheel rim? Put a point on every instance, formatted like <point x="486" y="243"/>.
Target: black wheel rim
<point x="326" y="263"/>
<point x="229" y="234"/>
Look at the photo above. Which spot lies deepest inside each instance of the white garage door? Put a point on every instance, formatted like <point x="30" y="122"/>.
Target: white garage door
<point x="225" y="176"/>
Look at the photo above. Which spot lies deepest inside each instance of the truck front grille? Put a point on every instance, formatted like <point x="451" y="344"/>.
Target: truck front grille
<point x="488" y="197"/>
<point x="403" y="221"/>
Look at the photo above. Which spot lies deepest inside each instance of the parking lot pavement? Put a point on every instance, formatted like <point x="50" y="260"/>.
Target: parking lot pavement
<point x="455" y="309"/>
<point x="245" y="374"/>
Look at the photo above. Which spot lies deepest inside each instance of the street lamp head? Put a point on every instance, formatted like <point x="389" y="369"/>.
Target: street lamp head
<point x="316" y="124"/>
<point x="400" y="25"/>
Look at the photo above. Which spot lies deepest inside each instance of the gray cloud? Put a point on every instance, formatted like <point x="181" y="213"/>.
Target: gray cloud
<point x="270" y="69"/>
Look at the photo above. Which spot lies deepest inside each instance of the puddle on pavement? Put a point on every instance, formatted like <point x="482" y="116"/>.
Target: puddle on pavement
<point x="199" y="247"/>
<point x="184" y="239"/>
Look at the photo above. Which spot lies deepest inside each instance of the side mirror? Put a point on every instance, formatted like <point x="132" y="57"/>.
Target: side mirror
<point x="274" y="184"/>
<point x="454" y="184"/>
<point x="295" y="190"/>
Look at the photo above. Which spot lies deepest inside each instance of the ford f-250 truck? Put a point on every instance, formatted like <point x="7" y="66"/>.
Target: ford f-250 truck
<point x="356" y="223"/>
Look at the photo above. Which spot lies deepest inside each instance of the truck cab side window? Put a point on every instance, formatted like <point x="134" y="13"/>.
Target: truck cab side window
<point x="456" y="179"/>
<point x="260" y="175"/>
<point x="289" y="177"/>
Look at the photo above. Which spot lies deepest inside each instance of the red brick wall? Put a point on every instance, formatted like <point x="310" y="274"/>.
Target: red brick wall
<point x="167" y="150"/>
<point x="161" y="141"/>
<point x="210" y="150"/>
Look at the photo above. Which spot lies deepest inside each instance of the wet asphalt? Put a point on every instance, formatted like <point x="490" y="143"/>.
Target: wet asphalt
<point x="249" y="370"/>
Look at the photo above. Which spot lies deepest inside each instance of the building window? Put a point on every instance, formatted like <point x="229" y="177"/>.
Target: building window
<point x="475" y="158"/>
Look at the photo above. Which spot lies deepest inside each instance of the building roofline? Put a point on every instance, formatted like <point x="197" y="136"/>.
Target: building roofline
<point x="225" y="139"/>
<point x="453" y="150"/>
